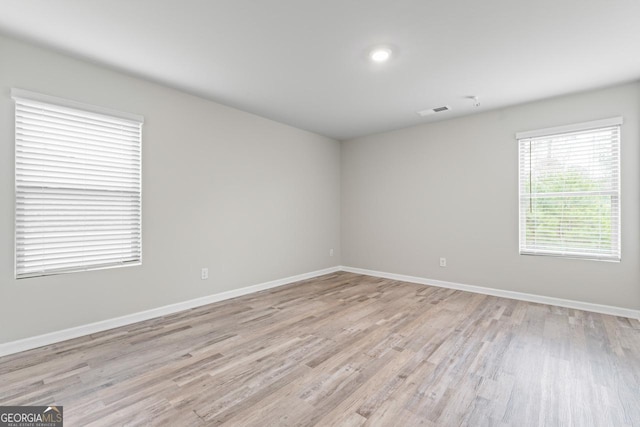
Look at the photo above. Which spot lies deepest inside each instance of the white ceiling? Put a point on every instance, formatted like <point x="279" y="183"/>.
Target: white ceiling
<point x="304" y="62"/>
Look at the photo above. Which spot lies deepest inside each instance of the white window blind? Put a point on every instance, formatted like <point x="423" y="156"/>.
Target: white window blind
<point x="78" y="186"/>
<point x="570" y="190"/>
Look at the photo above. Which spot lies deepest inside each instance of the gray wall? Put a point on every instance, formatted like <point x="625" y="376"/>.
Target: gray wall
<point x="450" y="189"/>
<point x="251" y="199"/>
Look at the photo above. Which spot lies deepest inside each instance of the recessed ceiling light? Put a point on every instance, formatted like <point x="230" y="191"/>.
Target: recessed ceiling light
<point x="380" y="54"/>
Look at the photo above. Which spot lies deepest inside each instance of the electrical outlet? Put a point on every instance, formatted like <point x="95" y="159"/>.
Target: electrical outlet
<point x="330" y="252"/>
<point x="205" y="274"/>
<point x="443" y="262"/>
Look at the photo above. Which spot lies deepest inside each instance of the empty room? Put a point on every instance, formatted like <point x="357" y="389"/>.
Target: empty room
<point x="319" y="213"/>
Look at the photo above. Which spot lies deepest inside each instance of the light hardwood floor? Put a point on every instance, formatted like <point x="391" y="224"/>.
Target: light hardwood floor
<point x="344" y="350"/>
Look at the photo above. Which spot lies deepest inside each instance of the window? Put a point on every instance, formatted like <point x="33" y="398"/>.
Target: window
<point x="570" y="190"/>
<point x="78" y="188"/>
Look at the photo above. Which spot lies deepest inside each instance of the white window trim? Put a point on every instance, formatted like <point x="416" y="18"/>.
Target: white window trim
<point x="88" y="109"/>
<point x="556" y="130"/>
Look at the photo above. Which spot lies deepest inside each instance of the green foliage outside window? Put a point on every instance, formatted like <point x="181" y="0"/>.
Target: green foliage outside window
<point x="568" y="221"/>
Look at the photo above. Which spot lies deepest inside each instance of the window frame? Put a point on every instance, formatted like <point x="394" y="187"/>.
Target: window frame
<point x="558" y="131"/>
<point x="92" y="111"/>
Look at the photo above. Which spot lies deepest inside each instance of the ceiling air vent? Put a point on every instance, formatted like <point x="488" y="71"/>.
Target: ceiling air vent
<point x="434" y="110"/>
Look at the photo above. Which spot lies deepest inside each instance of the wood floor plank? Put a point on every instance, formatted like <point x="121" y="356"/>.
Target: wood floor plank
<point x="344" y="350"/>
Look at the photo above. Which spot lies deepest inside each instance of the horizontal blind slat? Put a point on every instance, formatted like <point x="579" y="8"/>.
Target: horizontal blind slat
<point x="85" y="253"/>
<point x="117" y="140"/>
<point x="85" y="116"/>
<point x="72" y="145"/>
<point x="35" y="117"/>
<point x="75" y="158"/>
<point x="35" y="272"/>
<point x="79" y="167"/>
<point x="77" y="261"/>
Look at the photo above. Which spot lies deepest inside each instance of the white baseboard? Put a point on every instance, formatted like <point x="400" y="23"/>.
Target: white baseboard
<point x="579" y="305"/>
<point x="92" y="328"/>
